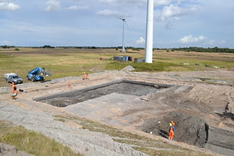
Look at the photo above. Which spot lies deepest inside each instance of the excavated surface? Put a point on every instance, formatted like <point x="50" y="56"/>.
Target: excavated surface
<point x="190" y="101"/>
<point x="192" y="130"/>
<point x="121" y="87"/>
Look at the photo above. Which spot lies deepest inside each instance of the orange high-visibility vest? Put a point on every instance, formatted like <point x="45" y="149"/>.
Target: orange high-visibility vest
<point x="84" y="76"/>
<point x="171" y="133"/>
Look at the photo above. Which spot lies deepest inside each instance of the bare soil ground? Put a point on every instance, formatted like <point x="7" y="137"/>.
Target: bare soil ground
<point x="194" y="98"/>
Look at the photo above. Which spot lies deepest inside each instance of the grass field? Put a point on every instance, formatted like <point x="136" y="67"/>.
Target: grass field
<point x="73" y="62"/>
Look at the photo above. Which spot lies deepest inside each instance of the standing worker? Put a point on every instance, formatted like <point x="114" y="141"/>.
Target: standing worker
<point x="84" y="75"/>
<point x="171" y="129"/>
<point x="171" y="133"/>
<point x="12" y="86"/>
<point x="171" y="124"/>
<point x="14" y="90"/>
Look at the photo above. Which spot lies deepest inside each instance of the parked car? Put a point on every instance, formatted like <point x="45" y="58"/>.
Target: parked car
<point x="12" y="77"/>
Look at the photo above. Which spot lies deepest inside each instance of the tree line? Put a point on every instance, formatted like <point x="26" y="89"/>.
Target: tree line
<point x="188" y="49"/>
<point x="201" y="49"/>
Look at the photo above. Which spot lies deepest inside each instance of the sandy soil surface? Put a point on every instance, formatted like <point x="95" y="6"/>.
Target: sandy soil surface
<point x="194" y="98"/>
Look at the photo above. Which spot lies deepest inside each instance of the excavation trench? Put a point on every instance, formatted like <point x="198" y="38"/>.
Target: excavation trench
<point x="122" y="87"/>
<point x="192" y="130"/>
<point x="188" y="129"/>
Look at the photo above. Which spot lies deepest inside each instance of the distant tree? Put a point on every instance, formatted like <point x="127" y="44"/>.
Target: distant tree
<point x="5" y="47"/>
<point x="209" y="50"/>
<point x="47" y="46"/>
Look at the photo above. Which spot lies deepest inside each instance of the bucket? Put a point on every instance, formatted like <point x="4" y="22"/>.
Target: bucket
<point x="130" y="58"/>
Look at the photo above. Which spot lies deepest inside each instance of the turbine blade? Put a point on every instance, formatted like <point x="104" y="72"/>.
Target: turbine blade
<point x="128" y="13"/>
<point x="127" y="26"/>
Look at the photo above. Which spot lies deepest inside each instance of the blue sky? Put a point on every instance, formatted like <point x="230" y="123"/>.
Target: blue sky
<point x="177" y="23"/>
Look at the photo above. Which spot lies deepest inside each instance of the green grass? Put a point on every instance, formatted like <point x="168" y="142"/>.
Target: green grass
<point x="73" y="62"/>
<point x="32" y="142"/>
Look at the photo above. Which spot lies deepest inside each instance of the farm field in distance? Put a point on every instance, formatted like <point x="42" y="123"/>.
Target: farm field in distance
<point x="64" y="62"/>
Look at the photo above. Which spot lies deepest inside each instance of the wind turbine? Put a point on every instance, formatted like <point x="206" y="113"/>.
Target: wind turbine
<point x="149" y="31"/>
<point x="124" y="22"/>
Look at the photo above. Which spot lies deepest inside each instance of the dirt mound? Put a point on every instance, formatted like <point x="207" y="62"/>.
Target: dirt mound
<point x="128" y="68"/>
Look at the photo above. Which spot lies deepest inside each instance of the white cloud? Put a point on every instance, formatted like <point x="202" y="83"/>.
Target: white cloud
<point x="156" y="2"/>
<point x="123" y="1"/>
<point x="222" y="42"/>
<point x="52" y="5"/>
<point x="162" y="2"/>
<point x="174" y="11"/>
<point x="5" y="43"/>
<point x="75" y="7"/>
<point x="107" y="1"/>
<point x="140" y="41"/>
<point x="190" y="39"/>
<point x="8" y="6"/>
<point x="109" y="13"/>
<point x="211" y="42"/>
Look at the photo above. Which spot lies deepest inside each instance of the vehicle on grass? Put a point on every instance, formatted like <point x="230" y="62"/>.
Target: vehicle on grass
<point x="37" y="74"/>
<point x="12" y="77"/>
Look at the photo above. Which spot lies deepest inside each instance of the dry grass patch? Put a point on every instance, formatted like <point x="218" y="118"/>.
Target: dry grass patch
<point x="32" y="142"/>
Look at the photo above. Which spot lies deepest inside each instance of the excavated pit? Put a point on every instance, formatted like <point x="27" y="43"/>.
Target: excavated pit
<point x="192" y="130"/>
<point x="188" y="129"/>
<point x="122" y="87"/>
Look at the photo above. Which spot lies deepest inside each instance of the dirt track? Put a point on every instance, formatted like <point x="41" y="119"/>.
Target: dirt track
<point x="194" y="99"/>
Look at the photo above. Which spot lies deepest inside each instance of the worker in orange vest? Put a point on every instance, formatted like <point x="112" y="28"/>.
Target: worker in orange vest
<point x="171" y="133"/>
<point x="84" y="75"/>
<point x="87" y="76"/>
<point x="14" y="89"/>
<point x="13" y="86"/>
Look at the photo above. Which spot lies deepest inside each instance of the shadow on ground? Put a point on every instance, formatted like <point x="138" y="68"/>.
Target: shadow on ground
<point x="226" y="115"/>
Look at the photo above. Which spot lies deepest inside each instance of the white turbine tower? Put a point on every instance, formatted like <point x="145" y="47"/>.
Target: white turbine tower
<point x="149" y="31"/>
<point x="124" y="22"/>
